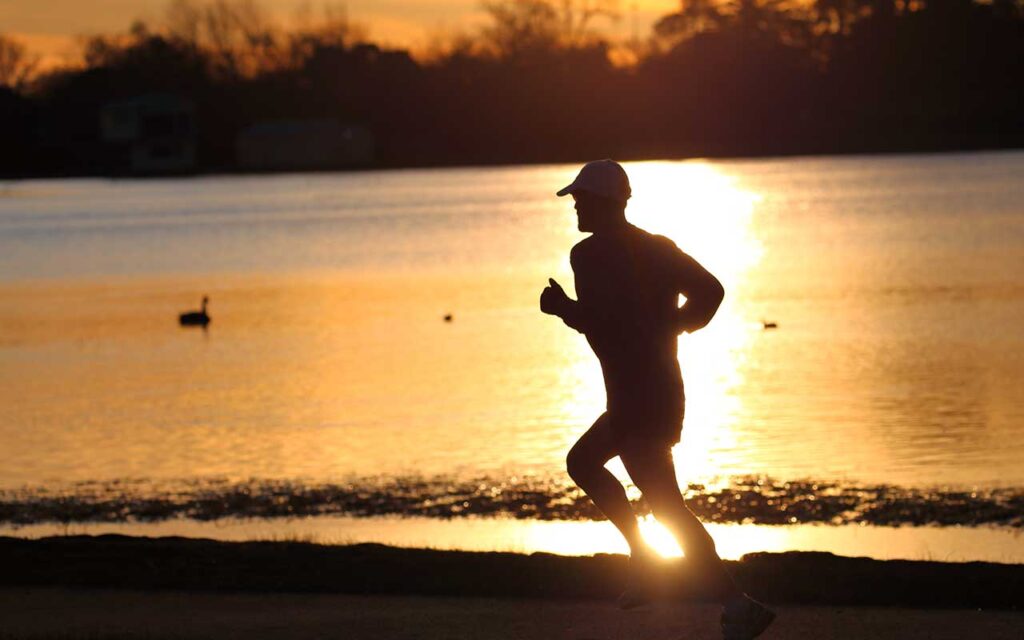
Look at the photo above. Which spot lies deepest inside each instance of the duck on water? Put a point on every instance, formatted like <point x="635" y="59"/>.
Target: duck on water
<point x="195" y="318"/>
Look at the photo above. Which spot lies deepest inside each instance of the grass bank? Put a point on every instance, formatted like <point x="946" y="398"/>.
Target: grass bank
<point x="369" y="569"/>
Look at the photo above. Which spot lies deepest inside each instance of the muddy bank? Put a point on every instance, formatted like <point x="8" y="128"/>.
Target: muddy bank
<point x="206" y="565"/>
<point x="751" y="499"/>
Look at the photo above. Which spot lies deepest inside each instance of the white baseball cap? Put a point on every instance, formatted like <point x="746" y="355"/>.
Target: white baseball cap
<point x="604" y="177"/>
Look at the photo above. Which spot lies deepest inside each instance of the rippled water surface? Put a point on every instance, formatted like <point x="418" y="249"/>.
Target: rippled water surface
<point x="897" y="284"/>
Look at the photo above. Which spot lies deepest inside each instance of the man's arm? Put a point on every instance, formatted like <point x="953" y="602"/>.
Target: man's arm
<point x="573" y="315"/>
<point x="583" y="315"/>
<point x="703" y="291"/>
<point x="554" y="301"/>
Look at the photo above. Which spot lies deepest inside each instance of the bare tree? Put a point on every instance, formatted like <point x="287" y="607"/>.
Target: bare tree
<point x="332" y="28"/>
<point x="578" y="17"/>
<point x="521" y="27"/>
<point x="445" y="45"/>
<point x="331" y="25"/>
<point x="183" y="20"/>
<point x="750" y="17"/>
<point x="242" y="40"/>
<point x="236" y="33"/>
<point x="16" y="64"/>
<point x="693" y="17"/>
<point x="837" y="16"/>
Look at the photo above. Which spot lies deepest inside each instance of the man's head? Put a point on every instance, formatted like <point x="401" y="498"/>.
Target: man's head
<point x="600" y="190"/>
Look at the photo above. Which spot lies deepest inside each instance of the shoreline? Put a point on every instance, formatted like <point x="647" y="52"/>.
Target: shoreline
<point x="946" y="544"/>
<point x="752" y="499"/>
<point x="239" y="172"/>
<point x="201" y="565"/>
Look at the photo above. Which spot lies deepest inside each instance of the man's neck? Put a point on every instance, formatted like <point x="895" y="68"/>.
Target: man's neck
<point x="613" y="228"/>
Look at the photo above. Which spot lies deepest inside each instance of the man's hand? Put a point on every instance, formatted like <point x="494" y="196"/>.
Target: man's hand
<point x="703" y="297"/>
<point x="553" y="299"/>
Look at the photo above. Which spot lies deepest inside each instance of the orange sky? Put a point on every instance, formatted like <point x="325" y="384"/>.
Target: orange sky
<point x="49" y="27"/>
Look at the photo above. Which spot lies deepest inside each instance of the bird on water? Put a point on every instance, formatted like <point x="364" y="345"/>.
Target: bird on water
<point x="195" y="318"/>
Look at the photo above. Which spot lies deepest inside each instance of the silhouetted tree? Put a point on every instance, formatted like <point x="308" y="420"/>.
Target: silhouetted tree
<point x="16" y="65"/>
<point x="537" y="82"/>
<point x="836" y="17"/>
<point x="520" y="28"/>
<point x="692" y="18"/>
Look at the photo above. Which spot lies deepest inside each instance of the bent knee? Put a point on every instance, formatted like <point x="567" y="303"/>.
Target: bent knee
<point x="581" y="466"/>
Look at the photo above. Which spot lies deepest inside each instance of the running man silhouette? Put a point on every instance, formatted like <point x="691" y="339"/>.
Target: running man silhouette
<point x="628" y="282"/>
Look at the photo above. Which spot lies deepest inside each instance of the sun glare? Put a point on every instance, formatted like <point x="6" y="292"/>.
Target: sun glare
<point x="709" y="216"/>
<point x="659" y="538"/>
<point x="704" y="211"/>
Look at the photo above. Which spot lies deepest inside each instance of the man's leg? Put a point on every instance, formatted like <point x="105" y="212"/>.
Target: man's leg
<point x="651" y="469"/>
<point x="585" y="464"/>
<point x="653" y="472"/>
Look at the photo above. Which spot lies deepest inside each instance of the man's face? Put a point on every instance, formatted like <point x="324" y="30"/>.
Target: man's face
<point x="591" y="210"/>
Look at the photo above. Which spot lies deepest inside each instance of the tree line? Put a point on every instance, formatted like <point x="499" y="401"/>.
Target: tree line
<point x="540" y="81"/>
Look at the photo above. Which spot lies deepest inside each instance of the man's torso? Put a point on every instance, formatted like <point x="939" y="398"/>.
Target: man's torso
<point x="625" y="279"/>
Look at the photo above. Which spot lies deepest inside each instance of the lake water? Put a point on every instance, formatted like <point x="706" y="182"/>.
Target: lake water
<point x="890" y="393"/>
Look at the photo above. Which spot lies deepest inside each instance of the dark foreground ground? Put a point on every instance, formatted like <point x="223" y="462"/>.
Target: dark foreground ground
<point x="72" y="588"/>
<point x="93" y="614"/>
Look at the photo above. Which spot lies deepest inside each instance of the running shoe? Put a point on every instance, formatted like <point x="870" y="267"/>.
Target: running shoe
<point x="640" y="585"/>
<point x="745" y="620"/>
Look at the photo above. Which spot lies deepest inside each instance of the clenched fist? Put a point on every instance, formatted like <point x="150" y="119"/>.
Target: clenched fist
<point x="553" y="299"/>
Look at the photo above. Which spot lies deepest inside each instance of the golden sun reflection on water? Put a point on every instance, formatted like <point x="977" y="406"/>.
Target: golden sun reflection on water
<point x="732" y="541"/>
<point x="897" y="360"/>
<point x="710" y="216"/>
<point x="948" y="544"/>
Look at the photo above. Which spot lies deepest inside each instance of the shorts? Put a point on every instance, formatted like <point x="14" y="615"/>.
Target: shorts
<point x="647" y="425"/>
